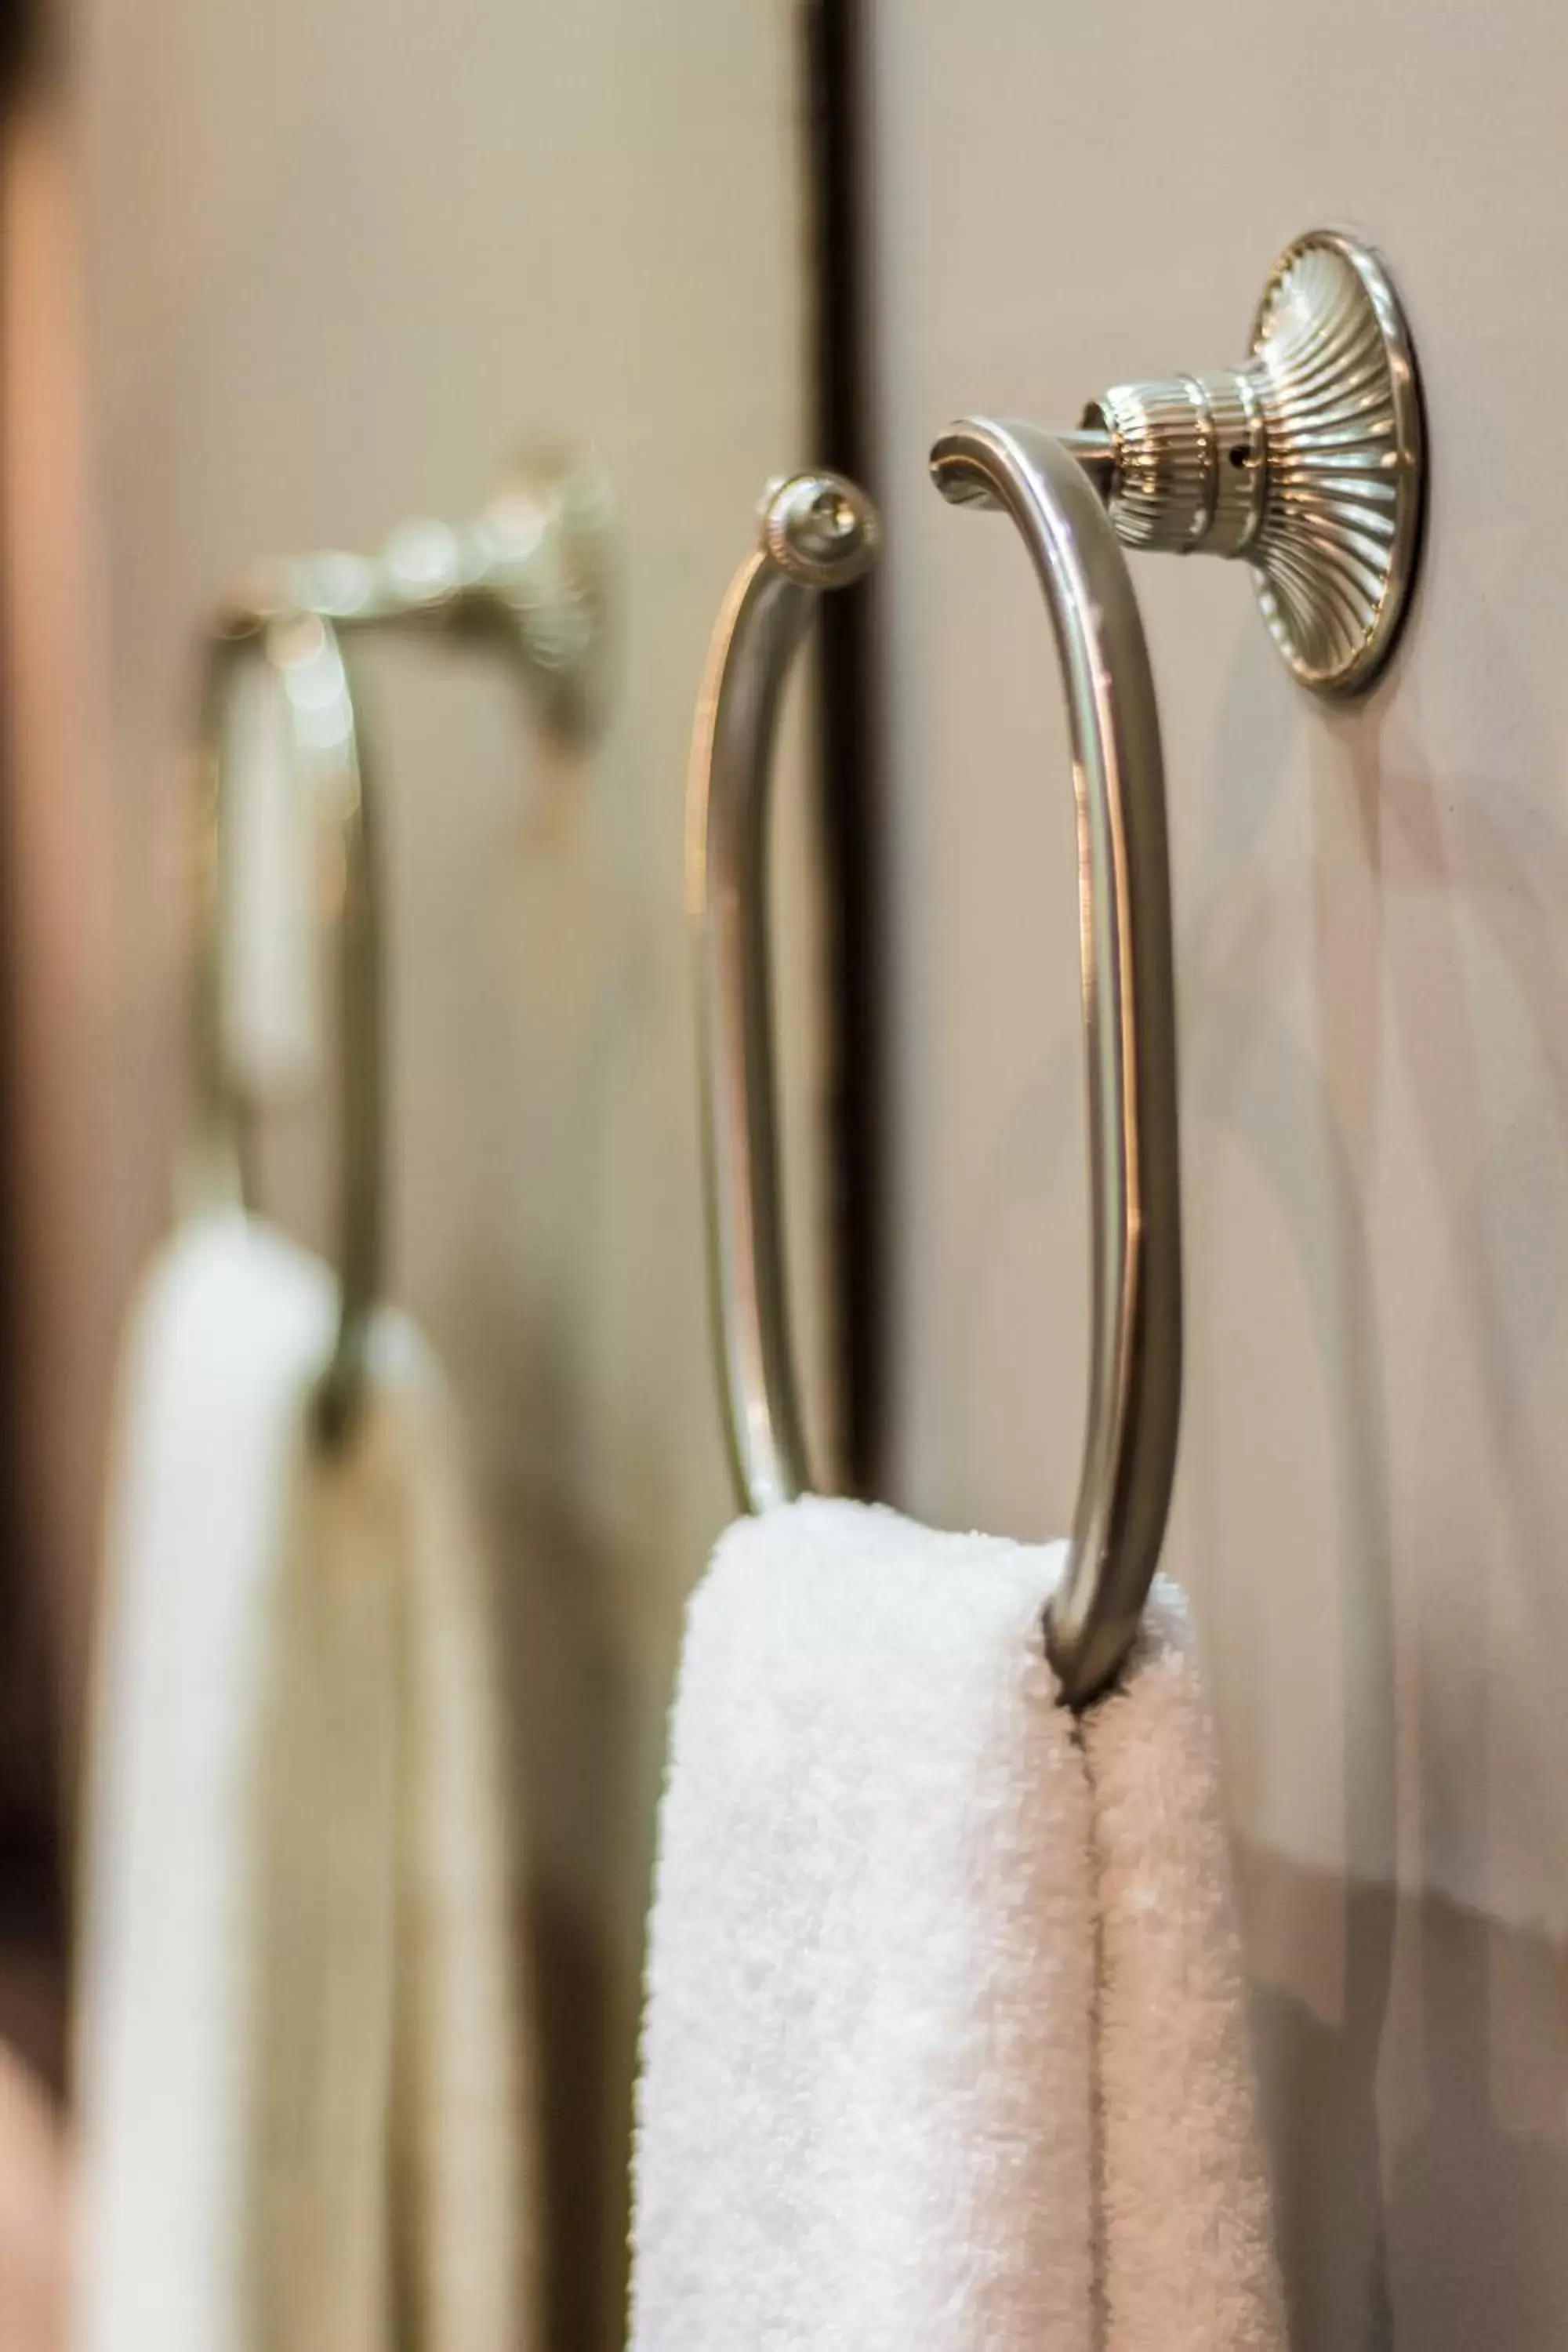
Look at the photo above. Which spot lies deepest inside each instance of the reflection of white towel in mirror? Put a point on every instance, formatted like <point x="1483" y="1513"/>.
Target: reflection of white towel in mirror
<point x="279" y="813"/>
<point x="301" y="2076"/>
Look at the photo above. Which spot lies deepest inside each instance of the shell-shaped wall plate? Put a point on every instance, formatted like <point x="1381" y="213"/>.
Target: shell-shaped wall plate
<point x="1336" y="553"/>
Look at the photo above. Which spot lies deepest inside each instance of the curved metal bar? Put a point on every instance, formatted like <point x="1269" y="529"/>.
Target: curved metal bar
<point x="303" y="653"/>
<point x="818" y="532"/>
<point x="1124" y="911"/>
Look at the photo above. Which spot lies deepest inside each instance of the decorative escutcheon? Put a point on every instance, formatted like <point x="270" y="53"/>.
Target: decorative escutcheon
<point x="1308" y="462"/>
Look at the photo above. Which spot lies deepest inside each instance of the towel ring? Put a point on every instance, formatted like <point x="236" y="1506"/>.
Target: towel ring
<point x="1125" y="915"/>
<point x="816" y="531"/>
<point x="1308" y="463"/>
<point x="302" y="651"/>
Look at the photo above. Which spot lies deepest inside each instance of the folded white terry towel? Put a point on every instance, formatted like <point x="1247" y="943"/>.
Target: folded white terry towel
<point x="300" y="2073"/>
<point x="945" y="2042"/>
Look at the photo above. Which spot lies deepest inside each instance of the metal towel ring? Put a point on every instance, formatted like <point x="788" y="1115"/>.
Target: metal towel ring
<point x="1309" y="463"/>
<point x="1129" y="996"/>
<point x="301" y="650"/>
<point x="818" y="532"/>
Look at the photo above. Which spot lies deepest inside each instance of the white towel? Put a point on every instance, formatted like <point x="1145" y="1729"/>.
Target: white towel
<point x="300" y="2084"/>
<point x="945" y="2042"/>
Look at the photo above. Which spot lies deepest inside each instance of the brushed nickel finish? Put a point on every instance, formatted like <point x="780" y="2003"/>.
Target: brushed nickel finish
<point x="1129" y="995"/>
<point x="817" y="532"/>
<point x="1308" y="462"/>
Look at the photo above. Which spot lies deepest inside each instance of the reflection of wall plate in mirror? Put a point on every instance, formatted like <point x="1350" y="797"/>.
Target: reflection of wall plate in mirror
<point x="533" y="571"/>
<point x="550" y="531"/>
<point x="537" y="566"/>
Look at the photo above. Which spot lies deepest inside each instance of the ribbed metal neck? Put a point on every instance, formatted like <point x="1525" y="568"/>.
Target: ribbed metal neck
<point x="1191" y="461"/>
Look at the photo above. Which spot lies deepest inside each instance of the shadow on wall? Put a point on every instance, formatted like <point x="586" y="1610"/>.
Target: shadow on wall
<point x="1419" y="2110"/>
<point x="1448" y="2228"/>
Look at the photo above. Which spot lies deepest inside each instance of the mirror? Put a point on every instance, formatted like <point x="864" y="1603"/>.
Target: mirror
<point x="281" y="280"/>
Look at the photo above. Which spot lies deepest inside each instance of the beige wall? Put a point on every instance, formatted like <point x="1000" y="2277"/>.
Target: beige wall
<point x="1371" y="915"/>
<point x="338" y="260"/>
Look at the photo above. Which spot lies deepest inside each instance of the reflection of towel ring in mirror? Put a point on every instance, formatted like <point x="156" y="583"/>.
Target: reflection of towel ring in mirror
<point x="304" y="657"/>
<point x="531" y="576"/>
